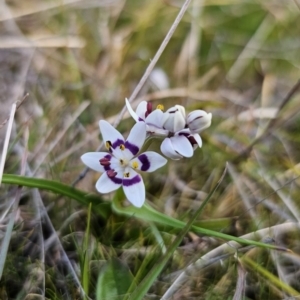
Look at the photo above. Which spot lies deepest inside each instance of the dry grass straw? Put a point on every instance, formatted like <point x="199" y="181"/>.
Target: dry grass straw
<point x="79" y="60"/>
<point x="7" y="138"/>
<point x="15" y="206"/>
<point x="216" y="255"/>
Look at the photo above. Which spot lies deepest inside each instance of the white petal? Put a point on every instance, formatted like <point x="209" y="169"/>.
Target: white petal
<point x="91" y="159"/>
<point x="153" y="130"/>
<point x="181" y="109"/>
<point x="134" y="189"/>
<point x="179" y="123"/>
<point x="141" y="110"/>
<point x="106" y="184"/>
<point x="148" y="161"/>
<point x="168" y="150"/>
<point x="155" y="118"/>
<point x="136" y="138"/>
<point x="109" y="133"/>
<point x="174" y="118"/>
<point x="182" y="145"/>
<point x="131" y="111"/>
<point x="197" y="139"/>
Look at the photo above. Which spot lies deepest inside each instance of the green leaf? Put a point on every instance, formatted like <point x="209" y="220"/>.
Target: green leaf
<point x="145" y="213"/>
<point x="114" y="280"/>
<point x="87" y="254"/>
<point x="101" y="207"/>
<point x="216" y="224"/>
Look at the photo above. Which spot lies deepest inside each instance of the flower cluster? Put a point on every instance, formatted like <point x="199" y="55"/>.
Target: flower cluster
<point x="180" y="132"/>
<point x="119" y="166"/>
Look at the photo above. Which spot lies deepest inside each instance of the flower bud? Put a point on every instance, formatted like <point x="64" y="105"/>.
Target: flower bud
<point x="198" y="120"/>
<point x="174" y="118"/>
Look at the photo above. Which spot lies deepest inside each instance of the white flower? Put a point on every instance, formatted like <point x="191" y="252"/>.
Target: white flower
<point x="180" y="140"/>
<point x="174" y="119"/>
<point x="198" y="120"/>
<point x="152" y="118"/>
<point x="119" y="165"/>
<point x="180" y="144"/>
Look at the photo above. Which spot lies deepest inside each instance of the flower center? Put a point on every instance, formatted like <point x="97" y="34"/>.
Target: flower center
<point x="135" y="164"/>
<point x="160" y="107"/>
<point x="123" y="162"/>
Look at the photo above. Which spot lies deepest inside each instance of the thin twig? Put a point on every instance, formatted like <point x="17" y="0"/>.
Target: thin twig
<point x="6" y="141"/>
<point x="15" y="207"/>
<point x="18" y="103"/>
<point x="156" y="58"/>
<point x="145" y="76"/>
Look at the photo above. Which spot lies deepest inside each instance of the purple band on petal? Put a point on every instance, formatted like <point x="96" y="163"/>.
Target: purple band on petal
<point x="186" y="134"/>
<point x="116" y="180"/>
<point x="145" y="162"/>
<point x="117" y="143"/>
<point x="132" y="148"/>
<point x="198" y="118"/>
<point x="129" y="182"/>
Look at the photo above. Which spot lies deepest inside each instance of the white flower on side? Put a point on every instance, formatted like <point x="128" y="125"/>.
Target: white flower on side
<point x="198" y="120"/>
<point x="180" y="141"/>
<point x="119" y="165"/>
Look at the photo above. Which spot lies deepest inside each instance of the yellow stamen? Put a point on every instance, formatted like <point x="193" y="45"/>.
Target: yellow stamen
<point x="122" y="162"/>
<point x="108" y="145"/>
<point x="122" y="147"/>
<point x="160" y="106"/>
<point x="126" y="175"/>
<point x="135" y="164"/>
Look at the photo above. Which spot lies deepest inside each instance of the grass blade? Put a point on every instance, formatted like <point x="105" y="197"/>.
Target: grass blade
<point x="144" y="286"/>
<point x="146" y="213"/>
